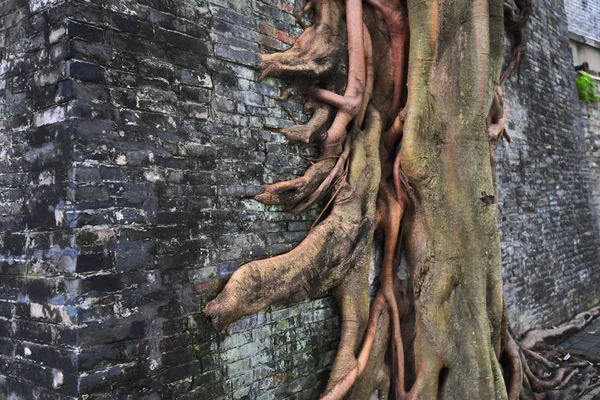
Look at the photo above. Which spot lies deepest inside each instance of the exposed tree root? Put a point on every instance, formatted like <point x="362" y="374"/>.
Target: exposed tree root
<point x="309" y="5"/>
<point x="495" y="120"/>
<point x="290" y="193"/>
<point x="545" y="373"/>
<point x="374" y="326"/>
<point x="538" y="337"/>
<point x="516" y="16"/>
<point x="569" y="381"/>
<point x="312" y="270"/>
<point x="397" y="24"/>
<point x="314" y="131"/>
<point x="316" y="52"/>
<point x="415" y="175"/>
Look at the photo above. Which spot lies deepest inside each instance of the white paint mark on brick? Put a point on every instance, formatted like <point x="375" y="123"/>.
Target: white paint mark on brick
<point x="50" y="75"/>
<point x="201" y="115"/>
<point x="205" y="80"/>
<point x="56" y="35"/>
<point x="26" y="351"/>
<point x="35" y="5"/>
<point x="57" y="378"/>
<point x="59" y="214"/>
<point x="121" y="311"/>
<point x="36" y="310"/>
<point x="46" y="178"/>
<point x="151" y="277"/>
<point x="50" y="116"/>
<point x="121" y="159"/>
<point x="43" y="153"/>
<point x="152" y="176"/>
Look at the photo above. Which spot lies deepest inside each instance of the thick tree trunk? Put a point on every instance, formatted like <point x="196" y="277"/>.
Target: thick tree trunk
<point x="452" y="234"/>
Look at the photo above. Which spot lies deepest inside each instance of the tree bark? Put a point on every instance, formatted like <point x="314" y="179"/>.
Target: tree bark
<point x="452" y="236"/>
<point x="406" y="140"/>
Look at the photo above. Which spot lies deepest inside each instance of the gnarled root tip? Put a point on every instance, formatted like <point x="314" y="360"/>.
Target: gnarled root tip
<point x="290" y="193"/>
<point x="218" y="313"/>
<point x="317" y="52"/>
<point x="314" y="131"/>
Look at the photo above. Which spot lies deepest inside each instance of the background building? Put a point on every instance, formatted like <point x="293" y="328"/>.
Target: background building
<point x="583" y="17"/>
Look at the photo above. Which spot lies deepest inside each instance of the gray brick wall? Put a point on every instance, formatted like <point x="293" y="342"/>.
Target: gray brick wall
<point x="584" y="17"/>
<point x="549" y="231"/>
<point x="591" y="118"/>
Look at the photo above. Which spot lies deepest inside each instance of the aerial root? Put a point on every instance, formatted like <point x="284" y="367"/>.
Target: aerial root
<point x="376" y="373"/>
<point x="516" y="367"/>
<point x="311" y="270"/>
<point x="313" y="131"/>
<point x="398" y="29"/>
<point x="343" y="386"/>
<point x="393" y="209"/>
<point x="566" y="380"/>
<point x="335" y="172"/>
<point x="542" y="384"/>
<point x="317" y="52"/>
<point x="536" y="337"/>
<point x="495" y="120"/>
<point x="298" y="17"/>
<point x="303" y="192"/>
<point x="391" y="137"/>
<point x="588" y="389"/>
<point x="516" y="15"/>
<point x="537" y="357"/>
<point x="286" y="94"/>
<point x="515" y="61"/>
<point x="350" y="107"/>
<point x="370" y="77"/>
<point x="290" y="193"/>
<point x="379" y="308"/>
<point x="392" y="205"/>
<point x="403" y="191"/>
<point x="350" y="103"/>
<point x="334" y="197"/>
<point x="343" y="103"/>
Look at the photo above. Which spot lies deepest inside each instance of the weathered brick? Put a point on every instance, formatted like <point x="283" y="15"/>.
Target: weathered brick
<point x="85" y="71"/>
<point x="84" y="31"/>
